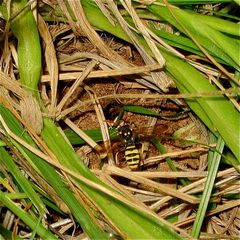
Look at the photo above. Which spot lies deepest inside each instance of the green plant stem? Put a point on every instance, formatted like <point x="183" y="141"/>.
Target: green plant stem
<point x="25" y="30"/>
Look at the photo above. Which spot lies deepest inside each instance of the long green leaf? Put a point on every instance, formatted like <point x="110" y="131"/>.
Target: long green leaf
<point x="28" y="70"/>
<point x="212" y="173"/>
<point x="94" y="134"/>
<point x="222" y="113"/>
<point x="188" y="45"/>
<point x="217" y="23"/>
<point x="204" y="33"/>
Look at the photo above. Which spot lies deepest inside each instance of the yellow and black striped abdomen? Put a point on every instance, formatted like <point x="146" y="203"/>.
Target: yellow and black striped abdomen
<point x="132" y="157"/>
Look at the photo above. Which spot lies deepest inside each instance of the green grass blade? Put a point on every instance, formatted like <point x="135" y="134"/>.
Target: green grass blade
<point x="94" y="134"/>
<point x="140" y="110"/>
<point x="222" y="113"/>
<point x="6" y="234"/>
<point x="212" y="173"/>
<point x="145" y="111"/>
<point x="232" y="196"/>
<point x="2" y="143"/>
<point x="219" y="24"/>
<point x="162" y="150"/>
<point x="24" y="25"/>
<point x="237" y="2"/>
<point x="188" y="45"/>
<point x="34" y="232"/>
<point x="210" y="38"/>
<point x="26" y="217"/>
<point x="230" y="159"/>
<point x="229" y="45"/>
<point x="9" y="163"/>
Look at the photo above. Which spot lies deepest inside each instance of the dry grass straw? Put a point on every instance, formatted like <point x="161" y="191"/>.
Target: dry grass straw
<point x="222" y="208"/>
<point x="140" y="27"/>
<point x="157" y="78"/>
<point x="152" y="184"/>
<point x="109" y="180"/>
<point x="220" y="86"/>
<point x="192" y="188"/>
<point x="123" y="71"/>
<point x="81" y="25"/>
<point x="227" y="177"/>
<point x="84" y="136"/>
<point x="76" y="84"/>
<point x="103" y="126"/>
<point x="51" y="62"/>
<point x="169" y="96"/>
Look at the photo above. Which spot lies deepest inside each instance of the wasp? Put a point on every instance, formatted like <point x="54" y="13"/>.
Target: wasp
<point x="132" y="155"/>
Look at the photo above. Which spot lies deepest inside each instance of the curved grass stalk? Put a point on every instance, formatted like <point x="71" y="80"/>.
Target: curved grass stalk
<point x="220" y="113"/>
